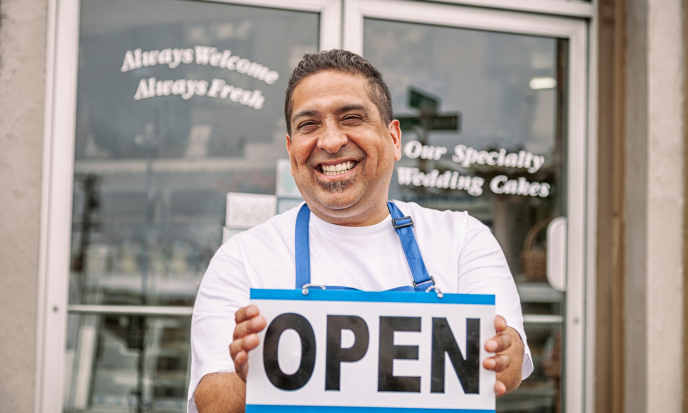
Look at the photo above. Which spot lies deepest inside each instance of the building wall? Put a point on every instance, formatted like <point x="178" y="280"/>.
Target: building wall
<point x="22" y="90"/>
<point x="654" y="201"/>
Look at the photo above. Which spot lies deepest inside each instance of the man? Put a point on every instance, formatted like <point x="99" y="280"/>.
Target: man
<point x="342" y="143"/>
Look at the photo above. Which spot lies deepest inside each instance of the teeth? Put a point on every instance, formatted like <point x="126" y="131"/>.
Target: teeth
<point x="337" y="169"/>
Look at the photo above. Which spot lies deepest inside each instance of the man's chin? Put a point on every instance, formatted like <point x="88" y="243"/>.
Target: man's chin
<point x="337" y="200"/>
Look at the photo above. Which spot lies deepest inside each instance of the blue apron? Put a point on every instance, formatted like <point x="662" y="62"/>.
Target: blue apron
<point x="422" y="281"/>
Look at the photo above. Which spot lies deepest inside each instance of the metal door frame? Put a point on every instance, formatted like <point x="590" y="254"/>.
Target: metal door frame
<point x="57" y="183"/>
<point x="581" y="159"/>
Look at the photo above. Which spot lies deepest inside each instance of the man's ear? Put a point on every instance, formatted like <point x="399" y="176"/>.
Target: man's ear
<point x="395" y="134"/>
<point x="291" y="171"/>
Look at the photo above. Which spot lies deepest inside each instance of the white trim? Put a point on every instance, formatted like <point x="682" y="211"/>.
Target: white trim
<point x="57" y="180"/>
<point x="57" y="201"/>
<point x="330" y="10"/>
<point x="578" y="151"/>
<point x="576" y="211"/>
<point x="555" y="7"/>
<point x="453" y="16"/>
<point x="41" y="300"/>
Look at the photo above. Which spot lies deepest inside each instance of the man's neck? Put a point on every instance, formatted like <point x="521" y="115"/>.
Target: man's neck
<point x="347" y="219"/>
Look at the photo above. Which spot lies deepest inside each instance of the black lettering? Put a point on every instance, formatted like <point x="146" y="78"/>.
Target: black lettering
<point x="277" y="377"/>
<point x="335" y="353"/>
<point x="386" y="381"/>
<point x="468" y="369"/>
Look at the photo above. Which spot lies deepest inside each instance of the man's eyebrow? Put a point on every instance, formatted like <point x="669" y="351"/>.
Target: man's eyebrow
<point x="304" y="113"/>
<point x="348" y="108"/>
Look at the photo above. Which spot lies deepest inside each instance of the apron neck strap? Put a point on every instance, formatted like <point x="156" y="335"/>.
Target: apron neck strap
<point x="302" y="251"/>
<point x="404" y="228"/>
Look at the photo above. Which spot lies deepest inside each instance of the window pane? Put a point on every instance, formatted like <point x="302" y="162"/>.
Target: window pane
<point x="483" y="124"/>
<point x="179" y="102"/>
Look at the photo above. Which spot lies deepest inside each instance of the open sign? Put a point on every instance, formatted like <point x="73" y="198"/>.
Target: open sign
<point x="371" y="351"/>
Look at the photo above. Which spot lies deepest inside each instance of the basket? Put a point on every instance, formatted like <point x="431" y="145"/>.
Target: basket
<point x="534" y="260"/>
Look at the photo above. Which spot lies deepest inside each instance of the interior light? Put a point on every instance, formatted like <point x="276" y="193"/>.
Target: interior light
<point x="537" y="83"/>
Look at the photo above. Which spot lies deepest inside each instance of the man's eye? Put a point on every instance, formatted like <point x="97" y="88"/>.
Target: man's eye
<point x="352" y="120"/>
<point x="306" y="124"/>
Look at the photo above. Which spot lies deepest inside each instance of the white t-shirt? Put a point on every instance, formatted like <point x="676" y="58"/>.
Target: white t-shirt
<point x="459" y="252"/>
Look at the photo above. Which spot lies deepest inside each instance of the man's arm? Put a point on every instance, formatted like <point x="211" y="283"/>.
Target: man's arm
<point x="508" y="360"/>
<point x="221" y="393"/>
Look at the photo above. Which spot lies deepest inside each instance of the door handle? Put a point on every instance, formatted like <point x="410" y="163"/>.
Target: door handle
<point x="556" y="253"/>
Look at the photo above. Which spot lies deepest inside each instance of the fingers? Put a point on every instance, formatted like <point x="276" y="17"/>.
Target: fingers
<point x="500" y="324"/>
<point x="246" y="313"/>
<point x="241" y="365"/>
<point x="239" y="349"/>
<point x="498" y="343"/>
<point x="498" y="363"/>
<point x="248" y="323"/>
<point x="244" y="344"/>
<point x="251" y="326"/>
<point x="499" y="389"/>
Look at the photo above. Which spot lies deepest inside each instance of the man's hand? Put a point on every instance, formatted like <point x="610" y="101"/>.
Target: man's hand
<point x="507" y="363"/>
<point x="248" y="323"/>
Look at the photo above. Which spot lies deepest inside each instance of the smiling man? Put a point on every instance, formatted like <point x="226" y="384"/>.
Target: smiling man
<point x="342" y="142"/>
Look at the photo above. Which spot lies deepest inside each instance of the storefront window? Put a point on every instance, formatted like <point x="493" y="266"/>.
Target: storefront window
<point x="179" y="103"/>
<point x="482" y="116"/>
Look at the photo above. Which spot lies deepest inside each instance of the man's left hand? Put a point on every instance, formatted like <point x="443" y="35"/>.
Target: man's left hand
<point x="507" y="362"/>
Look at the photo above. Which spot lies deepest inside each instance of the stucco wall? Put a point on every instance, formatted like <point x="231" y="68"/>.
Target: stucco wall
<point x="654" y="206"/>
<point x="22" y="90"/>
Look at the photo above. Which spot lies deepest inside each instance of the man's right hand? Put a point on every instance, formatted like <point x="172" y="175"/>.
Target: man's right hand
<point x="248" y="323"/>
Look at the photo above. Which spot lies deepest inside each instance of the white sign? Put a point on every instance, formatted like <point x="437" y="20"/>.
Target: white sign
<point x="248" y="210"/>
<point x="363" y="351"/>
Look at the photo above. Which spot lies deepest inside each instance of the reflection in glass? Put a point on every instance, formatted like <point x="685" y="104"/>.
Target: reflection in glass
<point x="126" y="363"/>
<point x="482" y="116"/>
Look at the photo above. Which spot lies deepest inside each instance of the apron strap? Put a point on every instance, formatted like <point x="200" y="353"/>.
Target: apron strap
<point x="402" y="224"/>
<point x="302" y="251"/>
<point x="404" y="227"/>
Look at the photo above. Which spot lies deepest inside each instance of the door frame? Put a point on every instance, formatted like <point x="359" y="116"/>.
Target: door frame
<point x="580" y="168"/>
<point x="62" y="44"/>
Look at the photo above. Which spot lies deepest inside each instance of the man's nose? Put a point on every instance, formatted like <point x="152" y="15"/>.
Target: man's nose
<point x="332" y="138"/>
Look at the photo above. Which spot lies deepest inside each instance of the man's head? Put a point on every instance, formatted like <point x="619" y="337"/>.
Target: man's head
<point x="342" y="140"/>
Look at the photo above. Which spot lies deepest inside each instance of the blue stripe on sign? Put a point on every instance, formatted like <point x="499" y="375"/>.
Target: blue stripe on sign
<point x="265" y="408"/>
<point x="369" y="296"/>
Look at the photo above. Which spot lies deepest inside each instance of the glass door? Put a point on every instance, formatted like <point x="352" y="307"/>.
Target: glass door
<point x="491" y="106"/>
<point x="178" y="102"/>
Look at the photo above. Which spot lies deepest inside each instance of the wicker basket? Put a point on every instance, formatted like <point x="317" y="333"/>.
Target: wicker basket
<point x="534" y="260"/>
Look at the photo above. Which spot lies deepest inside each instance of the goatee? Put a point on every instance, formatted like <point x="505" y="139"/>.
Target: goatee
<point x="337" y="186"/>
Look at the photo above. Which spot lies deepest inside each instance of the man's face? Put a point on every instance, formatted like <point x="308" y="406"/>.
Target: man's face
<point x="342" y="153"/>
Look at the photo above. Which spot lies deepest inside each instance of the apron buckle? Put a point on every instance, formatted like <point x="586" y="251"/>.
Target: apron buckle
<point x="408" y="223"/>
<point x="440" y="294"/>
<point x="305" y="288"/>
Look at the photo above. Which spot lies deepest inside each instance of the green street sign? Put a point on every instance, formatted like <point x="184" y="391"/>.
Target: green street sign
<point x="449" y="122"/>
<point x="426" y="104"/>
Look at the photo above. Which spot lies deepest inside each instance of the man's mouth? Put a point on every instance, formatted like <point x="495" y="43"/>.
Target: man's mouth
<point x="337" y="169"/>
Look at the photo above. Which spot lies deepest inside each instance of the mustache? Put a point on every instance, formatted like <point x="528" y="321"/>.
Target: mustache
<point x="345" y="152"/>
